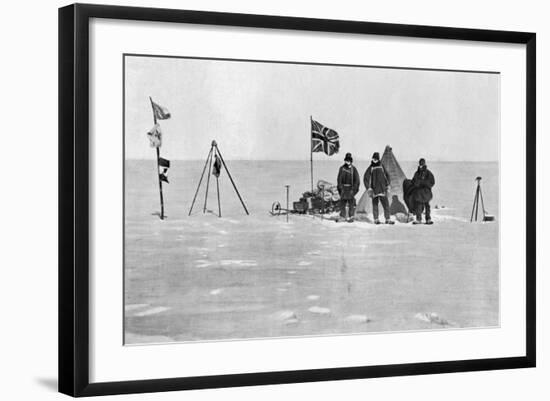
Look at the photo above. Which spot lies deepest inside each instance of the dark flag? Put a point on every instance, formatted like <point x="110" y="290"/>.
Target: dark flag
<point x="324" y="139"/>
<point x="165" y="164"/>
<point x="164" y="175"/>
<point x="161" y="113"/>
<point x="217" y="167"/>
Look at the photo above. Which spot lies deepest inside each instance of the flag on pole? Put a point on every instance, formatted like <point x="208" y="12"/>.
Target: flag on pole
<point x="161" y="113"/>
<point x="324" y="139"/>
<point x="217" y="167"/>
<point x="164" y="175"/>
<point x="165" y="164"/>
<point x="155" y="136"/>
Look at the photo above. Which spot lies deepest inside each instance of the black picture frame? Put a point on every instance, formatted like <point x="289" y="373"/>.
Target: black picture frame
<point x="74" y="198"/>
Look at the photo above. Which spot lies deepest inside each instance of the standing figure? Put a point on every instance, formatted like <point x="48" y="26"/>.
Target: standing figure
<point x="377" y="181"/>
<point x="423" y="181"/>
<point x="348" y="186"/>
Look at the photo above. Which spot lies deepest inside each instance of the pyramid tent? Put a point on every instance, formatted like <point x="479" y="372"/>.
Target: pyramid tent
<point x="396" y="175"/>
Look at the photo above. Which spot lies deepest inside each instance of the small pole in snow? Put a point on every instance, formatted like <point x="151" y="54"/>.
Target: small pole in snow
<point x="287" y="209"/>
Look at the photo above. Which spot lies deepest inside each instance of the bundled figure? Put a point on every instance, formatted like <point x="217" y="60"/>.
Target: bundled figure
<point x="422" y="184"/>
<point x="348" y="186"/>
<point x="377" y="181"/>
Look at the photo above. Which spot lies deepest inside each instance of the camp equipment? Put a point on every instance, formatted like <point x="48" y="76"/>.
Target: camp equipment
<point x="276" y="208"/>
<point x="216" y="155"/>
<point x="324" y="199"/>
<point x="478" y="195"/>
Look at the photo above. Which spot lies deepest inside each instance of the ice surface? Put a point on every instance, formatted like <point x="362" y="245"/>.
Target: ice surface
<point x="319" y="310"/>
<point x="152" y="311"/>
<point x="392" y="273"/>
<point x="432" y="318"/>
<point x="358" y="318"/>
<point x="129" y="308"/>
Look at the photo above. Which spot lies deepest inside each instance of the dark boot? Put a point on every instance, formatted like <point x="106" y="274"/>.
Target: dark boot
<point x="428" y="214"/>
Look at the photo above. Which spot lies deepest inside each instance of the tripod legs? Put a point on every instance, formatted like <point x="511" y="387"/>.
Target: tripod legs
<point x="477" y="201"/>
<point x="213" y="152"/>
<point x="208" y="158"/>
<point x="232" y="182"/>
<point x="475" y="207"/>
<point x="482" y="204"/>
<point x="208" y="182"/>
<point x="218" y="192"/>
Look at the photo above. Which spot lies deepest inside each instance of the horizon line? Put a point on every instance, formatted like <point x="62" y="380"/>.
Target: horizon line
<point x="325" y="160"/>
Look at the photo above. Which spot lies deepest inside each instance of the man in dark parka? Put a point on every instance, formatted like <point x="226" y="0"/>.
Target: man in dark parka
<point x="377" y="182"/>
<point x="423" y="181"/>
<point x="348" y="185"/>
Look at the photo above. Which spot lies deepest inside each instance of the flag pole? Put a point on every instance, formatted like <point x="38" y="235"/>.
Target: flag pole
<point x="311" y="152"/>
<point x="158" y="171"/>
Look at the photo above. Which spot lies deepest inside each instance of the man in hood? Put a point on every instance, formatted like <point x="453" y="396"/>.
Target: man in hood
<point x="423" y="181"/>
<point x="377" y="181"/>
<point x="348" y="185"/>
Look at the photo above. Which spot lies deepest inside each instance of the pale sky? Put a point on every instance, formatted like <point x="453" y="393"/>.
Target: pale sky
<point x="262" y="111"/>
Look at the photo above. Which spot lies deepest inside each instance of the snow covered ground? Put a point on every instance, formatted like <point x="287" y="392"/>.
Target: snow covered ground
<point x="200" y="277"/>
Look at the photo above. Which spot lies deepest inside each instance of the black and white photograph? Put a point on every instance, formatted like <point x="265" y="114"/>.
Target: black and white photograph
<point x="277" y="199"/>
<point x="291" y="200"/>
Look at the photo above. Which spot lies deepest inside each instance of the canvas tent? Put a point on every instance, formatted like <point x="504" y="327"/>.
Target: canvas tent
<point x="396" y="176"/>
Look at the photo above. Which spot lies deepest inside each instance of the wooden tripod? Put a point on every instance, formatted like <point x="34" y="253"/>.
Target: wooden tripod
<point x="477" y="197"/>
<point x="215" y="153"/>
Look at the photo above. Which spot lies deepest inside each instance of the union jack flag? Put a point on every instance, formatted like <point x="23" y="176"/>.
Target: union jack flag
<point x="324" y="139"/>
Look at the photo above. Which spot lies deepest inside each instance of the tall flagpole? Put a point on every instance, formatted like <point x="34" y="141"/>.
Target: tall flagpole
<point x="158" y="166"/>
<point x="311" y="151"/>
